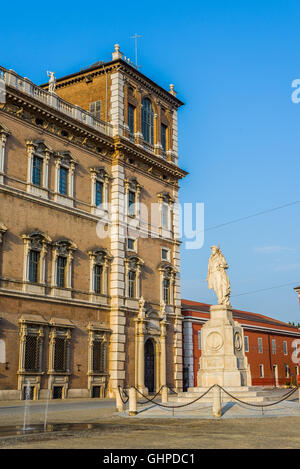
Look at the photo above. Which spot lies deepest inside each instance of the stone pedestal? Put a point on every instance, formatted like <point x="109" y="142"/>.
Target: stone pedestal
<point x="223" y="359"/>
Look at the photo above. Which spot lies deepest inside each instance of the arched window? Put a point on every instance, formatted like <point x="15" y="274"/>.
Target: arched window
<point x="147" y="121"/>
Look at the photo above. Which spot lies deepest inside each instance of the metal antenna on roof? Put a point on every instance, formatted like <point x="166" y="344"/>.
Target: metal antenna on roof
<point x="135" y="37"/>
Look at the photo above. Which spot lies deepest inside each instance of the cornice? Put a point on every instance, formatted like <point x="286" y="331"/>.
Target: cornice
<point x="123" y="66"/>
<point x="127" y="147"/>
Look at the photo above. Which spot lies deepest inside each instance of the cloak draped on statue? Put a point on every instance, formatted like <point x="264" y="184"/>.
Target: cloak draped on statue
<point x="217" y="278"/>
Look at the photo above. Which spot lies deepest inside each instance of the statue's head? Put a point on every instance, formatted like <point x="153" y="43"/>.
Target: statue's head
<point x="214" y="249"/>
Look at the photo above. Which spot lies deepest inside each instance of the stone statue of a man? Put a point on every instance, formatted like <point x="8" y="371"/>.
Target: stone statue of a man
<point x="217" y="278"/>
<point x="52" y="81"/>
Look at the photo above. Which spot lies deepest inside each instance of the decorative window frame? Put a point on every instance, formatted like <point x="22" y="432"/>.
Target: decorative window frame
<point x="59" y="328"/>
<point x="65" y="160"/>
<point x="100" y="175"/>
<point x="151" y="130"/>
<point x="98" y="332"/>
<point x="285" y="347"/>
<point x="167" y="271"/>
<point x="41" y="150"/>
<point x="133" y="263"/>
<point x="165" y="199"/>
<point x="260" y="346"/>
<point x="30" y="325"/>
<point x="4" y="133"/>
<point x="102" y="258"/>
<point x="63" y="248"/>
<point x="36" y="241"/>
<point x="133" y="186"/>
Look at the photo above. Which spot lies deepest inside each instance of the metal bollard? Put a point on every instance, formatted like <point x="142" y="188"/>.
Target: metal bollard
<point x="164" y="395"/>
<point x="217" y="407"/>
<point x="132" y="402"/>
<point x="119" y="402"/>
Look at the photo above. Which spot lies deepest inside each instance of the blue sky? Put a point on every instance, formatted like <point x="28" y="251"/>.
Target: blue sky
<point x="232" y="63"/>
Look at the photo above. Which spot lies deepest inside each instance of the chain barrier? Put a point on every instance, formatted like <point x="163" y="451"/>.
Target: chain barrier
<point x="286" y="396"/>
<point x="174" y="407"/>
<point x="122" y="390"/>
<point x="151" y="400"/>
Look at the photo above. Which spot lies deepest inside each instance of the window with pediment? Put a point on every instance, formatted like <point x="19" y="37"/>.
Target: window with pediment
<point x="99" y="194"/>
<point x="167" y="282"/>
<point x="36" y="246"/>
<point x="132" y="197"/>
<point x="62" y="259"/>
<point x="64" y="178"/>
<point x="133" y="267"/>
<point x="38" y="167"/>
<point x="4" y="133"/>
<point x="99" y="264"/>
<point x="166" y="203"/>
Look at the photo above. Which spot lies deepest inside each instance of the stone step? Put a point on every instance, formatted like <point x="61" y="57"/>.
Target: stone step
<point x="232" y="389"/>
<point x="208" y="399"/>
<point x="239" y="395"/>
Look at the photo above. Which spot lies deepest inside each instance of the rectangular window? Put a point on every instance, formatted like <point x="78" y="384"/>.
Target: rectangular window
<point x="261" y="371"/>
<point x="260" y="345"/>
<point x="164" y="137"/>
<point x="95" y="109"/>
<point x="63" y="180"/>
<point x="199" y="340"/>
<point x="37" y="165"/>
<point x="273" y="346"/>
<point x="61" y="271"/>
<point x="246" y="343"/>
<point x="99" y="193"/>
<point x="287" y="371"/>
<point x="131" y="244"/>
<point x="164" y="216"/>
<point x="97" y="278"/>
<point x="99" y="357"/>
<point x="285" y="350"/>
<point x="131" y="202"/>
<point x="165" y="254"/>
<point x="131" y="110"/>
<point x="60" y="354"/>
<point x="166" y="290"/>
<point x="34" y="257"/>
<point x="32" y="353"/>
<point x="131" y="284"/>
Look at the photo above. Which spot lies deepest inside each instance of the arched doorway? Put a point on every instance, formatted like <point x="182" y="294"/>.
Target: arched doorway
<point x="149" y="365"/>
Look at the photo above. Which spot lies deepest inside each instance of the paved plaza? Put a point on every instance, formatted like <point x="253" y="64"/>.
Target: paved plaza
<point x="95" y="424"/>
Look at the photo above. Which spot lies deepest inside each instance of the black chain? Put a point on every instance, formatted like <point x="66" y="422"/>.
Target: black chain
<point x="120" y="389"/>
<point x="286" y="396"/>
<point x="171" y="406"/>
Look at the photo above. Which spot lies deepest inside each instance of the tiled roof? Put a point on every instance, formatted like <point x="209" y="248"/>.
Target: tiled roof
<point x="187" y="305"/>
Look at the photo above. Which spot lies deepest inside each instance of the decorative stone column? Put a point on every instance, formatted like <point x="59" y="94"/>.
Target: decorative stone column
<point x="163" y="357"/>
<point x="140" y="362"/>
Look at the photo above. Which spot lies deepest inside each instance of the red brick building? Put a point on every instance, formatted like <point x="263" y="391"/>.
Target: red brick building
<point x="268" y="345"/>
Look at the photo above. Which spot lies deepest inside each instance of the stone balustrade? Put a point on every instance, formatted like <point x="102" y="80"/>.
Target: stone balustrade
<point x="11" y="78"/>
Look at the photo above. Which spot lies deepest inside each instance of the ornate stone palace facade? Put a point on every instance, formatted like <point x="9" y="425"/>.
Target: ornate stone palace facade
<point x="89" y="252"/>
